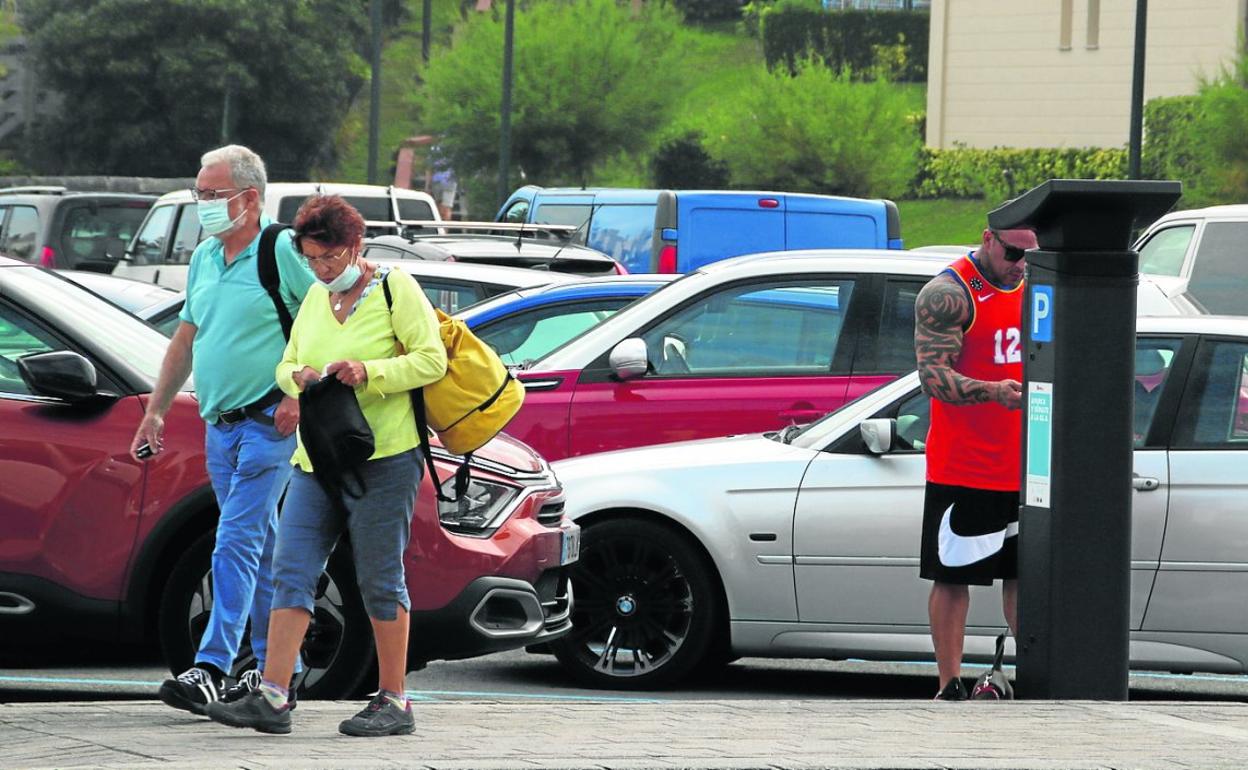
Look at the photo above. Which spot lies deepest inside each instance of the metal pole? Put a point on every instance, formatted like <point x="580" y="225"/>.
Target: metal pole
<point x="426" y="29"/>
<point x="504" y="141"/>
<point x="1137" y="92"/>
<point x="225" y="111"/>
<point x="374" y="105"/>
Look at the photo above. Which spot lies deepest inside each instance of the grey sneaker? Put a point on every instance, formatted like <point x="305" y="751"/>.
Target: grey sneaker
<point x="250" y="682"/>
<point x="253" y="711"/>
<point x="380" y="717"/>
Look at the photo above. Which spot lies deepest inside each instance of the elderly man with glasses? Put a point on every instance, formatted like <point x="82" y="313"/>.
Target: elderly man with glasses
<point x="231" y="338"/>
<point x="968" y="342"/>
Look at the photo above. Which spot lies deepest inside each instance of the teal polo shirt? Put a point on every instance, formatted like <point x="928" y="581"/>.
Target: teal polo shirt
<point x="238" y="341"/>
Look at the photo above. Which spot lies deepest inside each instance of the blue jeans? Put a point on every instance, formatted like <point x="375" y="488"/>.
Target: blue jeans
<point x="379" y="524"/>
<point x="249" y="464"/>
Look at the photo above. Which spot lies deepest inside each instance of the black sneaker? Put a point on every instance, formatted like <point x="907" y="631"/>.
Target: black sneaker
<point x="380" y="717"/>
<point x="192" y="690"/>
<point x="955" y="690"/>
<point x="253" y="711"/>
<point x="250" y="682"/>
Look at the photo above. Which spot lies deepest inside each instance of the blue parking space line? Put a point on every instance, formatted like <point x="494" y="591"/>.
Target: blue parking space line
<point x="1234" y="678"/>
<point x="532" y="696"/>
<point x="76" y="680"/>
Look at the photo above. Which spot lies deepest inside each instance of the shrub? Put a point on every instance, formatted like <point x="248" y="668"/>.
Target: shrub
<point x="683" y="163"/>
<point x="858" y="41"/>
<point x="1218" y="134"/>
<point x="1001" y="172"/>
<point x="817" y="131"/>
<point x="709" y="10"/>
<point x="1170" y="150"/>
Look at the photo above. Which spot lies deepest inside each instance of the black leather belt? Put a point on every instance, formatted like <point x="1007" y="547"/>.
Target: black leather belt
<point x="252" y="411"/>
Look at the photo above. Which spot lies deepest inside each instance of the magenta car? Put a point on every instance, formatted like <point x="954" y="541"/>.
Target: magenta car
<point x="745" y="345"/>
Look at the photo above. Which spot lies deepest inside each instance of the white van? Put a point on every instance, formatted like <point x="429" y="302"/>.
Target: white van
<point x="162" y="247"/>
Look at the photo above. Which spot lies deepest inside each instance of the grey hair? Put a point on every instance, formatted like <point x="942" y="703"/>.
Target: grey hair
<point x="246" y="167"/>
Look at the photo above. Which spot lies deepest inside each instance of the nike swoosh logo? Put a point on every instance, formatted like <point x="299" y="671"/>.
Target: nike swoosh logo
<point x="983" y="297"/>
<point x="960" y="550"/>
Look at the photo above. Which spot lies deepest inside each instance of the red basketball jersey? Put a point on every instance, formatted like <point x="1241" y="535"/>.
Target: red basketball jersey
<point x="978" y="445"/>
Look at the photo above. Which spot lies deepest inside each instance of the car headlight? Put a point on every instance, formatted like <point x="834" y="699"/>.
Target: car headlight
<point x="481" y="508"/>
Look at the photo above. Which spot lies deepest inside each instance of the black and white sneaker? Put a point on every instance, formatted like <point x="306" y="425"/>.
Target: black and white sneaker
<point x="250" y="682"/>
<point x="192" y="690"/>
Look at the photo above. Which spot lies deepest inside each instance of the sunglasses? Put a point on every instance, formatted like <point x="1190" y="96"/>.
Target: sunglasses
<point x="1012" y="253"/>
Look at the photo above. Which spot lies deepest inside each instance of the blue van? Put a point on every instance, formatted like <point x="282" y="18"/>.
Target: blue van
<point x="676" y="231"/>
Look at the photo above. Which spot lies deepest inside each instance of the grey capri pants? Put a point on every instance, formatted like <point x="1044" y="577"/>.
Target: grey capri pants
<point x="379" y="524"/>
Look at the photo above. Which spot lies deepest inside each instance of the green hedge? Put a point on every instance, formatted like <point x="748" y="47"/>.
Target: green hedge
<point x="867" y="43"/>
<point x="1170" y="150"/>
<point x="1001" y="173"/>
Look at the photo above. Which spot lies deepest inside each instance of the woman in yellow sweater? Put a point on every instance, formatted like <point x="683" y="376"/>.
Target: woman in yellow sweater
<point x="344" y="329"/>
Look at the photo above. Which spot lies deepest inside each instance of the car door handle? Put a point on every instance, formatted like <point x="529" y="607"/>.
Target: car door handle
<point x="800" y="415"/>
<point x="1144" y="483"/>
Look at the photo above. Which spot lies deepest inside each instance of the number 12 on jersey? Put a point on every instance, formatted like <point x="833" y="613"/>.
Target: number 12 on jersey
<point x="1007" y="350"/>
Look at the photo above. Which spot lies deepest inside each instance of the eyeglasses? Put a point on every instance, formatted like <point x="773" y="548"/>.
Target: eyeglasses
<point x="326" y="258"/>
<point x="1012" y="253"/>
<point x="213" y="195"/>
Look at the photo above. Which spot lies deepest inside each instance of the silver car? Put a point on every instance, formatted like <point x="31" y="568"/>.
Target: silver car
<point x="805" y="543"/>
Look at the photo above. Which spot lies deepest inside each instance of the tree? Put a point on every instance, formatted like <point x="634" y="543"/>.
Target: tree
<point x="817" y="131"/>
<point x="591" y="80"/>
<point x="148" y="87"/>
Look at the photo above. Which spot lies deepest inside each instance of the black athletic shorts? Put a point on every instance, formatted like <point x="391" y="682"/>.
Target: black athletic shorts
<point x="970" y="536"/>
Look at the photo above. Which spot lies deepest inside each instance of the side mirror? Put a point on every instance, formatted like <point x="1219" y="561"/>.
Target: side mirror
<point x="59" y="374"/>
<point x="629" y="359"/>
<point x="879" y="435"/>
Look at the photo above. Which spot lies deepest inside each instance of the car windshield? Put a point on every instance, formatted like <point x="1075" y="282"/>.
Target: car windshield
<point x="106" y="325"/>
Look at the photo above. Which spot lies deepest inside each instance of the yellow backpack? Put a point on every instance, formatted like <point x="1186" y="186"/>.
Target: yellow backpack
<point x="471" y="404"/>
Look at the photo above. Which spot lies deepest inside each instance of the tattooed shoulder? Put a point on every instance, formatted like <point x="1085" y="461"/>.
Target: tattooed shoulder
<point x="942" y="304"/>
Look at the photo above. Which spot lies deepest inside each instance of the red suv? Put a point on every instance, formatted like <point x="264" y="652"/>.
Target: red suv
<point x="96" y="546"/>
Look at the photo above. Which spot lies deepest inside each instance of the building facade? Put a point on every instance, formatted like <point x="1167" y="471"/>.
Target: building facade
<point x="1057" y="73"/>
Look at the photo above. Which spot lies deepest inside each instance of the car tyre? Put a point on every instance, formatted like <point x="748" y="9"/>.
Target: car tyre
<point x="646" y="607"/>
<point x="337" y="650"/>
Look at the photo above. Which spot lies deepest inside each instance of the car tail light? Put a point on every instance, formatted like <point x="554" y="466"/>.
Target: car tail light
<point x="667" y="259"/>
<point x="47" y="257"/>
<point x="768" y="203"/>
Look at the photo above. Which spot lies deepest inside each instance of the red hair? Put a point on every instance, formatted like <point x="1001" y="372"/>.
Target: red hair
<point x="329" y="220"/>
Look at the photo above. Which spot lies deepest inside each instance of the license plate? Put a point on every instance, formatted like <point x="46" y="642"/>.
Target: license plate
<point x="571" y="550"/>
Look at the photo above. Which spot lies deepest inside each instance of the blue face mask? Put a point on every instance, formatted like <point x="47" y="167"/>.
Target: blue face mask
<point x="344" y="280"/>
<point x="214" y="216"/>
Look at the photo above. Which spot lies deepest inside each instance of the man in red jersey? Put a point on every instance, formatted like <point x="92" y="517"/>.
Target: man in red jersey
<point x="968" y="340"/>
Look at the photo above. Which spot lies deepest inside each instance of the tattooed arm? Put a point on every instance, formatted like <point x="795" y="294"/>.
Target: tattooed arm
<point x="940" y="313"/>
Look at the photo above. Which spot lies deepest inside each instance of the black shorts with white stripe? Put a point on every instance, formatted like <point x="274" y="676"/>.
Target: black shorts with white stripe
<point x="970" y="536"/>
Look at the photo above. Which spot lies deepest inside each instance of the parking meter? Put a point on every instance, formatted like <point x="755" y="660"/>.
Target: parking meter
<point x="1078" y="370"/>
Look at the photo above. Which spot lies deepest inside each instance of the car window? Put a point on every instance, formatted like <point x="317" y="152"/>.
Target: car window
<point x="623" y="232"/>
<point x="18" y="337"/>
<point x="517" y="212"/>
<point x="1153" y="358"/>
<point x="100" y="232"/>
<point x="22" y="233"/>
<point x="527" y="336"/>
<point x="1163" y="253"/>
<point x="895" y="340"/>
<point x="573" y="214"/>
<point x="373" y="208"/>
<point x="1214" y="412"/>
<point x="1218" y="280"/>
<point x="448" y="297"/>
<point x="774" y="328"/>
<point x="149" y="247"/>
<point x="186" y="237"/>
<point x="374" y="251"/>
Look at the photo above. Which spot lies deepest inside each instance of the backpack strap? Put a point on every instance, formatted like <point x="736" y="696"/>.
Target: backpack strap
<point x="270" y="278"/>
<point x="422" y="429"/>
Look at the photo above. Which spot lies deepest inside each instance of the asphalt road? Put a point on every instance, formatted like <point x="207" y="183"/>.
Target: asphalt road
<point x="76" y="674"/>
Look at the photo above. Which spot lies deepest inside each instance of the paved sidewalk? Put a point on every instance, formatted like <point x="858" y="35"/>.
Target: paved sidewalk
<point x="805" y="734"/>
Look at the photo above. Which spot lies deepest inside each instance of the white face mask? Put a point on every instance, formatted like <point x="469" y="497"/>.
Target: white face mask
<point x="214" y="216"/>
<point x="344" y="280"/>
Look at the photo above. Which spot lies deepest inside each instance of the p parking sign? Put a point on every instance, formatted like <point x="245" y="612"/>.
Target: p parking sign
<point x="1041" y="313"/>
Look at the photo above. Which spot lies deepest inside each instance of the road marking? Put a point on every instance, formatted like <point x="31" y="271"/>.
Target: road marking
<point x="416" y="694"/>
